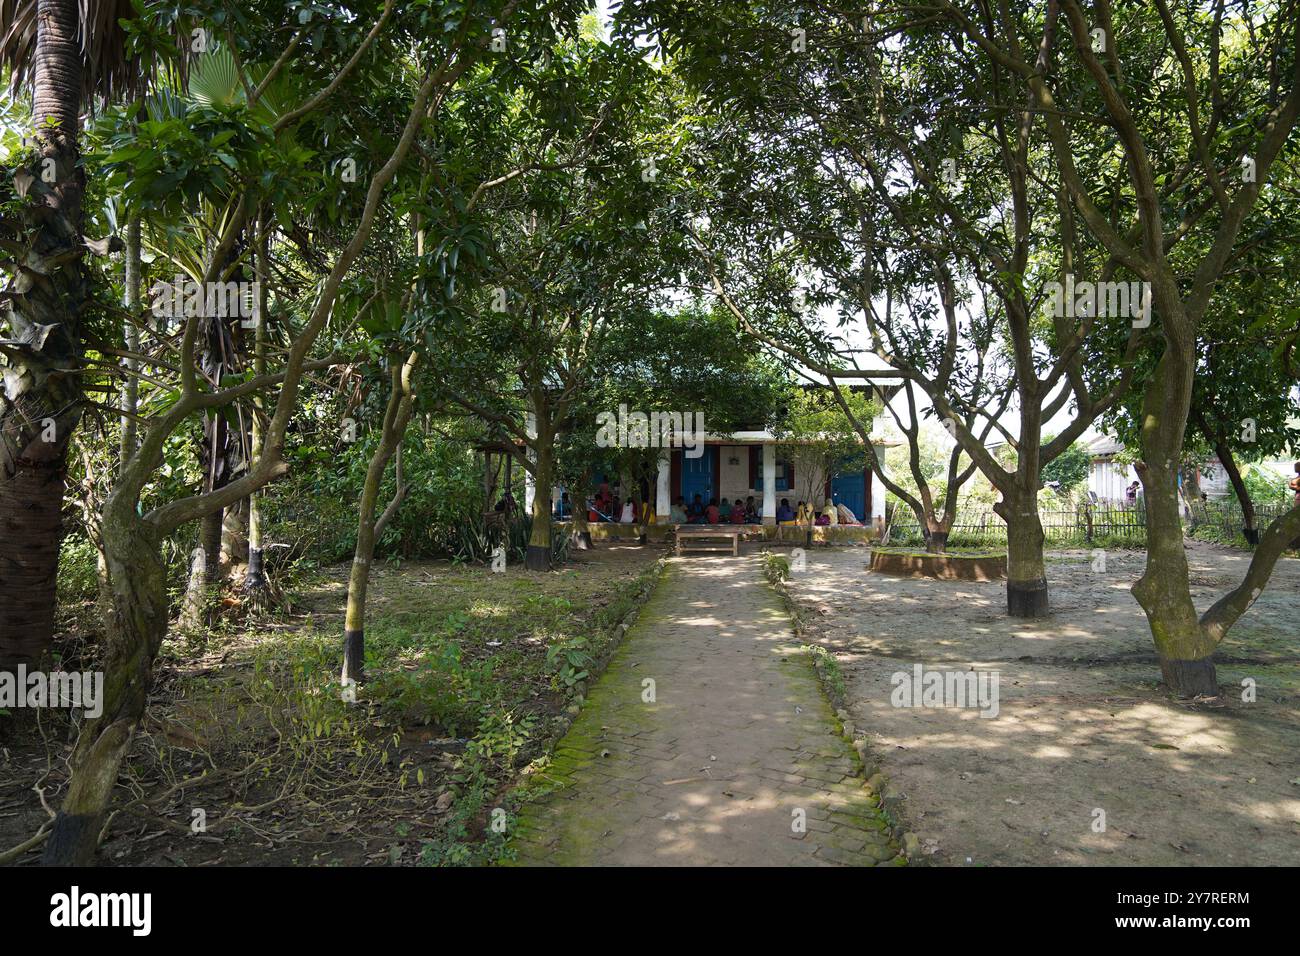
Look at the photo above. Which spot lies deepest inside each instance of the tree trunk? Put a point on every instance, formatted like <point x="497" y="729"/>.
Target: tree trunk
<point x="401" y="403"/>
<point x="30" y="518"/>
<point x="194" y="605"/>
<point x="1239" y="488"/>
<point x="1185" y="648"/>
<point x="1186" y="651"/>
<point x="580" y="534"/>
<point x="255" y="578"/>
<point x="538" y="556"/>
<point x="136" y="628"/>
<point x="1026" y="569"/>
<point x="936" y="533"/>
<point x="234" y="538"/>
<point x="131" y="338"/>
<point x="41" y="401"/>
<point x="632" y="482"/>
<point x="210" y="540"/>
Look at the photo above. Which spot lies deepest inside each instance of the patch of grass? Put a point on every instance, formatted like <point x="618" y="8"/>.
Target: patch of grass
<point x="776" y="567"/>
<point x="829" y="668"/>
<point x="468" y="674"/>
<point x="959" y="552"/>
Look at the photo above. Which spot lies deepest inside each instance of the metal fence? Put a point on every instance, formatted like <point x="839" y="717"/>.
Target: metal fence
<point x="1225" y="519"/>
<point x="1085" y="523"/>
<point x="1091" y="521"/>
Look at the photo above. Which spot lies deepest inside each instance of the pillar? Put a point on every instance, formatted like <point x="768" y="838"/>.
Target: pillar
<point x="530" y="483"/>
<point x="663" y="487"/>
<point x="769" y="483"/>
<point x="877" y="519"/>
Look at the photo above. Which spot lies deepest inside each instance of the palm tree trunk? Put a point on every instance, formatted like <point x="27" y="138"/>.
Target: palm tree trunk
<point x="42" y="399"/>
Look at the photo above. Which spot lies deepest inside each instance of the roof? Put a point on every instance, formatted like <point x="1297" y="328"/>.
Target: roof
<point x="1104" y="445"/>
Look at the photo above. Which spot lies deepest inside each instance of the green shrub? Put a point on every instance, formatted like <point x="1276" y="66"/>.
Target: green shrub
<point x="441" y="689"/>
<point x="314" y="512"/>
<point x="570" y="661"/>
<point x="776" y="567"/>
<point x="78" y="570"/>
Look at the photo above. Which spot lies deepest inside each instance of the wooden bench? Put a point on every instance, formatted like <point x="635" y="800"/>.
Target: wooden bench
<point x="688" y="539"/>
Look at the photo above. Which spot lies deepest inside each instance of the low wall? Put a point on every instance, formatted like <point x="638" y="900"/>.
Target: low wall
<point x="944" y="567"/>
<point x="846" y="535"/>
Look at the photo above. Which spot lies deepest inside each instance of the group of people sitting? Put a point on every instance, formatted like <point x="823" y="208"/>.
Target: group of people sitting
<point x="831" y="514"/>
<point x="738" y="512"/>
<point x="728" y="512"/>
<point x="610" y="507"/>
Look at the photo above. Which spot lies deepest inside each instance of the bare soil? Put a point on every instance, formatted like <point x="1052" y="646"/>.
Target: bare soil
<point x="1083" y="724"/>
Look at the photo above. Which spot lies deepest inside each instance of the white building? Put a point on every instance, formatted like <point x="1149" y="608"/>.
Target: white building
<point x="1107" y="477"/>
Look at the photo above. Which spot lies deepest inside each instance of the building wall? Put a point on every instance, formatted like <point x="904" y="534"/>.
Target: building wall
<point x="1214" y="480"/>
<point x="733" y="483"/>
<point x="1108" y="479"/>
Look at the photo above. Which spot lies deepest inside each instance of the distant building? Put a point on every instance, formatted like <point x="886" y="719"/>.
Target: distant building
<point x="1107" y="477"/>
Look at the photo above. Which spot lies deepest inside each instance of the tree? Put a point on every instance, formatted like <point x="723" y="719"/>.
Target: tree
<point x="689" y="362"/>
<point x="370" y="525"/>
<point x="70" y="55"/>
<point x="1068" y="470"/>
<point x="46" y="299"/>
<point x="1201" y="148"/>
<point x="572" y="245"/>
<point x="858" y="211"/>
<point x="132" y="536"/>
<point x="821" y="433"/>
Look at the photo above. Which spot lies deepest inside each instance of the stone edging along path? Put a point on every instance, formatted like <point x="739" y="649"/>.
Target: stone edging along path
<point x="707" y="741"/>
<point x="889" y="799"/>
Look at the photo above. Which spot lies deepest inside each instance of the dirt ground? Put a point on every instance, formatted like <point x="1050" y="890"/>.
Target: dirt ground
<point x="1083" y="725"/>
<point x="295" y="794"/>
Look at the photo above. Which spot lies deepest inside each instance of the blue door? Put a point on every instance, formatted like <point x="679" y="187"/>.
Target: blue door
<point x="850" y="490"/>
<point x="697" y="477"/>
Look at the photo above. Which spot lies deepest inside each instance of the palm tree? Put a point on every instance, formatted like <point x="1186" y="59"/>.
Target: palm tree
<point x="67" y="53"/>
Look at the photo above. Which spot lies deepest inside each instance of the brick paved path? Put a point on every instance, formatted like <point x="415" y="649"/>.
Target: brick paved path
<point x="739" y="737"/>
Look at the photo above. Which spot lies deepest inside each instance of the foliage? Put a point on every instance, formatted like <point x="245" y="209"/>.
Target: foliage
<point x="776" y="567"/>
<point x="819" y="439"/>
<point x="78" y="570"/>
<point x="571" y="662"/>
<point x="1069" y="469"/>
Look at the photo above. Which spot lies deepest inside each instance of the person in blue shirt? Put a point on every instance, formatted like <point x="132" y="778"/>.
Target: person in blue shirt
<point x="785" y="512"/>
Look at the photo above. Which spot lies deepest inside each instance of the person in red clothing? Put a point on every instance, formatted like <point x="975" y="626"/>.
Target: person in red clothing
<point x="711" y="513"/>
<point x="738" y="512"/>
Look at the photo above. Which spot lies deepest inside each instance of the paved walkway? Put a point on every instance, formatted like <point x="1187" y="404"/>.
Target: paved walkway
<point x="738" y="747"/>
